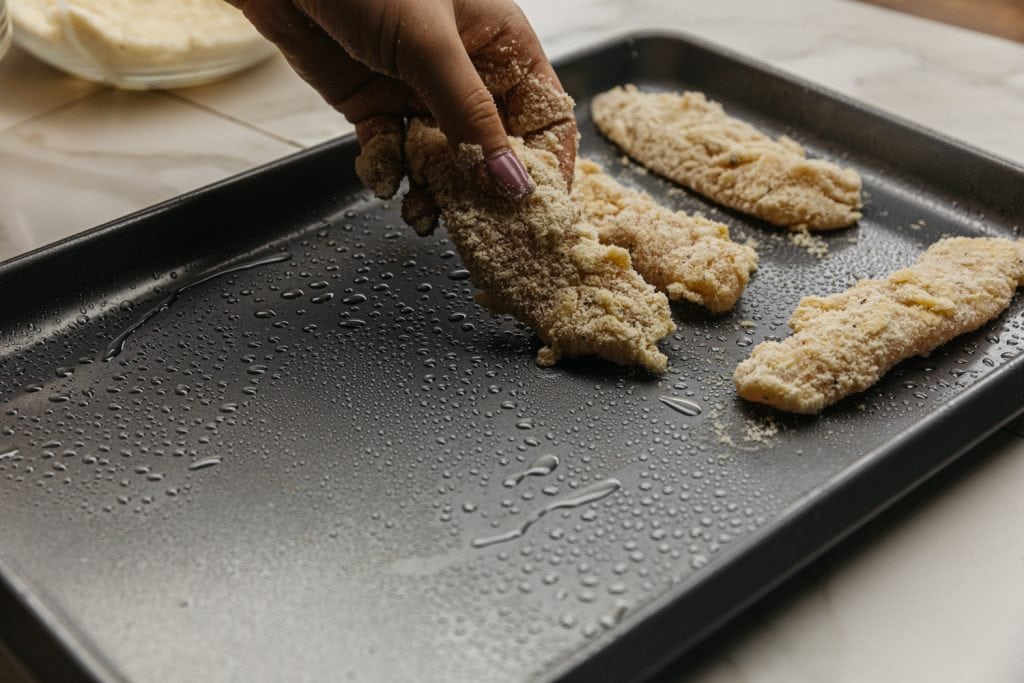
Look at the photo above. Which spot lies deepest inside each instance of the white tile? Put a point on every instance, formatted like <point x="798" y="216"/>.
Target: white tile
<point x="273" y="98"/>
<point x="112" y="154"/>
<point x="28" y="88"/>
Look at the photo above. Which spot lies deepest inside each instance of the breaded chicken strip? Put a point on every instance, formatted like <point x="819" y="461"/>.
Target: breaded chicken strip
<point x="692" y="141"/>
<point x="844" y="343"/>
<point x="535" y="259"/>
<point x="684" y="256"/>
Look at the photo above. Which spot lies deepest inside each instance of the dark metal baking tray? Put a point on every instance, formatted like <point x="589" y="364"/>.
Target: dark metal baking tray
<point x="274" y="484"/>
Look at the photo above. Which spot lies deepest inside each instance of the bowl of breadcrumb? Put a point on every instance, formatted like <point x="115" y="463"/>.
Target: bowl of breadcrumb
<point x="139" y="44"/>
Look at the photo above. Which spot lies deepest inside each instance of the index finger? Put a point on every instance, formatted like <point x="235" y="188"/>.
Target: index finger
<point x="539" y="111"/>
<point x="513" y="65"/>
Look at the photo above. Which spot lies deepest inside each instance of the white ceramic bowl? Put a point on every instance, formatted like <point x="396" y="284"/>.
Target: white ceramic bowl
<point x="139" y="43"/>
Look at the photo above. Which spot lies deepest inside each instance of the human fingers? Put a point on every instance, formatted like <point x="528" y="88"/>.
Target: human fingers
<point x="513" y="65"/>
<point x="381" y="161"/>
<point x="420" y="43"/>
<point x="371" y="101"/>
<point x="509" y="57"/>
<point x="419" y="209"/>
<point x="541" y="113"/>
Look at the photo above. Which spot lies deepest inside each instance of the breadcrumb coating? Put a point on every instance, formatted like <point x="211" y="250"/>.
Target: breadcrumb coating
<point x="687" y="257"/>
<point x="380" y="166"/>
<point x="844" y="343"/>
<point x="692" y="141"/>
<point x="535" y="259"/>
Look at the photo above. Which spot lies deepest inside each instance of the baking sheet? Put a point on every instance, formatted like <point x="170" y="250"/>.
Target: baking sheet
<point x="262" y="432"/>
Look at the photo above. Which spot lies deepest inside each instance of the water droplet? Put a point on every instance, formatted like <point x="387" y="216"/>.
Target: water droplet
<point x="354" y="299"/>
<point x="541" y="467"/>
<point x="615" y="616"/>
<point x="204" y="463"/>
<point x="458" y="275"/>
<point x="681" y="405"/>
<point x="116" y="345"/>
<point x="588" y="494"/>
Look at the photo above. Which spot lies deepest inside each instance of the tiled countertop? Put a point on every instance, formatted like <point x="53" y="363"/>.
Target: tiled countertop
<point x="932" y="591"/>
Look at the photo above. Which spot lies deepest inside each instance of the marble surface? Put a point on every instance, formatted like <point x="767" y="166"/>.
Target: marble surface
<point x="930" y="591"/>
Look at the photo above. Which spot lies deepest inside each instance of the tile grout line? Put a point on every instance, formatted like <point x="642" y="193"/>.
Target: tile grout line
<point x="227" y="117"/>
<point x="55" y="109"/>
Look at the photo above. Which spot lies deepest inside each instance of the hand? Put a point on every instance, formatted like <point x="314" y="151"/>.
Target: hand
<point x="380" y="62"/>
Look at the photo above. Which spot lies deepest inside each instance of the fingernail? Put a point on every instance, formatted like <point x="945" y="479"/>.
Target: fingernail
<point x="509" y="174"/>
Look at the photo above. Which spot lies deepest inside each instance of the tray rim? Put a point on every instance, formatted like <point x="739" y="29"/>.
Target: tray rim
<point x="88" y="663"/>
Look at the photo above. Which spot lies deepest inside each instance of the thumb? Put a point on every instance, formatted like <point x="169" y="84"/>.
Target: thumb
<point x="465" y="110"/>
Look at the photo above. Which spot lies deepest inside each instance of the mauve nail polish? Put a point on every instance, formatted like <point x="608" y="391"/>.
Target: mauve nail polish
<point x="509" y="175"/>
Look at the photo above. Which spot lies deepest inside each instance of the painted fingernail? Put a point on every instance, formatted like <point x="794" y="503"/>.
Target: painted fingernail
<point x="509" y="174"/>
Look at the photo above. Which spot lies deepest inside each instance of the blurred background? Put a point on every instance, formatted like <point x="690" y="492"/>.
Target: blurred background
<point x="999" y="17"/>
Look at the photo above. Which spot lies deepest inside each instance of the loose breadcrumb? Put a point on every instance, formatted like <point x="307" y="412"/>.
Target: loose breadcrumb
<point x="692" y="141"/>
<point x="760" y="431"/>
<point x="812" y="244"/>
<point x="753" y="435"/>
<point x="844" y="343"/>
<point x="686" y="257"/>
<point x="535" y="259"/>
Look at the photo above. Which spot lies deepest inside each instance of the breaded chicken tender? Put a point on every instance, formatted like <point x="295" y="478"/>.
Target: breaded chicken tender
<point x="535" y="259"/>
<point x="685" y="256"/>
<point x="844" y="343"/>
<point x="692" y="141"/>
